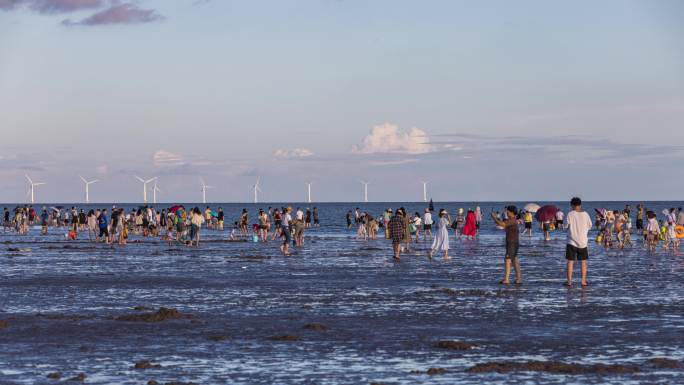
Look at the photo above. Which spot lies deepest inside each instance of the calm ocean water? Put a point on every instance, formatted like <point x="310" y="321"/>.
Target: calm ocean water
<point x="382" y="319"/>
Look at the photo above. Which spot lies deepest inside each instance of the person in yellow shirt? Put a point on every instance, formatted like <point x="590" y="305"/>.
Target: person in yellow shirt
<point x="527" y="218"/>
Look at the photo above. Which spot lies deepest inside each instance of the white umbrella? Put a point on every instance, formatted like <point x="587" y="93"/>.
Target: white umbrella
<point x="532" y="207"/>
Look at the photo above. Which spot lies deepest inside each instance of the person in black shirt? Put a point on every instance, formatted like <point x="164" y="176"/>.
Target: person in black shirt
<point x="510" y="225"/>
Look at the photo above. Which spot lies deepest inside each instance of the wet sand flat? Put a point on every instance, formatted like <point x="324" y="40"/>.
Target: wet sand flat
<point x="339" y="311"/>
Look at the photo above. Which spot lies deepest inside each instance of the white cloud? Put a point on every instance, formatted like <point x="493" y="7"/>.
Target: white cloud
<point x="293" y="153"/>
<point x="388" y="138"/>
<point x="166" y="158"/>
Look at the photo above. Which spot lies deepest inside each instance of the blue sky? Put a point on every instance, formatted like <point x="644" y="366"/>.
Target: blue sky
<point x="491" y="100"/>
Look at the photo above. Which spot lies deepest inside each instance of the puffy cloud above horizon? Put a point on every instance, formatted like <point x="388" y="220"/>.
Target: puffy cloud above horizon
<point x="293" y="153"/>
<point x="165" y="158"/>
<point x="388" y="138"/>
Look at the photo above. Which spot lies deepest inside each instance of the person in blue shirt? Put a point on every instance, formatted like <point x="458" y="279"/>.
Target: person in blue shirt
<point x="44" y="222"/>
<point x="103" y="223"/>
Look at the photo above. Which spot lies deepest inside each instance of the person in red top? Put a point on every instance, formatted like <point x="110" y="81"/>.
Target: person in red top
<point x="470" y="228"/>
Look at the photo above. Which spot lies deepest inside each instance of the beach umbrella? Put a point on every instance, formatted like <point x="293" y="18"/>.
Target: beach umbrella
<point x="431" y="207"/>
<point x="532" y="207"/>
<point x="546" y="213"/>
<point x="175" y="208"/>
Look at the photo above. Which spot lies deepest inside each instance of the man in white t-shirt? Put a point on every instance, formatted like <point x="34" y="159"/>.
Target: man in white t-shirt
<point x="427" y="224"/>
<point x="579" y="224"/>
<point x="559" y="219"/>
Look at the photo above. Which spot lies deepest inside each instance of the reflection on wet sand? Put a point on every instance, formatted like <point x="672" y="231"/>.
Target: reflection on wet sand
<point x="338" y="311"/>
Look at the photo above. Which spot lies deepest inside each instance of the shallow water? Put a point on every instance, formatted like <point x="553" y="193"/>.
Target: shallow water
<point x="384" y="318"/>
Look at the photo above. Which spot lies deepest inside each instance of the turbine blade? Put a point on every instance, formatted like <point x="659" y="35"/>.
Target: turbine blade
<point x="139" y="178"/>
<point x="83" y="179"/>
<point x="29" y="179"/>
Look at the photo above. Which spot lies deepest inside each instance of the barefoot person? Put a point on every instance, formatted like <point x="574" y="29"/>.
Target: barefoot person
<point x="510" y="225"/>
<point x="441" y="241"/>
<point x="396" y="232"/>
<point x="579" y="223"/>
<point x="427" y="225"/>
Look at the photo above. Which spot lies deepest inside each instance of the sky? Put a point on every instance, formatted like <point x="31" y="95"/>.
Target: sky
<point x="487" y="100"/>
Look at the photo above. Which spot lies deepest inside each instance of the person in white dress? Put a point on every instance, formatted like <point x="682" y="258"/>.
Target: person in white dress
<point x="441" y="240"/>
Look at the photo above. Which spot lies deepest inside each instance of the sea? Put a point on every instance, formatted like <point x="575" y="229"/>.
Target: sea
<point x="337" y="311"/>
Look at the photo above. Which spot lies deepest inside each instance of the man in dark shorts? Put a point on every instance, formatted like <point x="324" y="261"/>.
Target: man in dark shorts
<point x="396" y="232"/>
<point x="579" y="224"/>
<point x="510" y="226"/>
<point x="103" y="222"/>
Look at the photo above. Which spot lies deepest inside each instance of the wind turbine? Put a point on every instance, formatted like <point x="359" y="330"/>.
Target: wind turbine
<point x="425" y="183"/>
<point x="204" y="190"/>
<point x="308" y="192"/>
<point x="87" y="187"/>
<point x="32" y="187"/>
<point x="365" y="190"/>
<point x="145" y="182"/>
<point x="155" y="189"/>
<point x="256" y="190"/>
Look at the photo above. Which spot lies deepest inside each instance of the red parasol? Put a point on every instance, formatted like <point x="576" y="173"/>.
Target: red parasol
<point x="175" y="208"/>
<point x="546" y="213"/>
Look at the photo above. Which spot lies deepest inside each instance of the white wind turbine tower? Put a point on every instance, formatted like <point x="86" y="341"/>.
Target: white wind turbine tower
<point x="308" y="192"/>
<point x="204" y="190"/>
<point x="32" y="187"/>
<point x="365" y="190"/>
<point x="257" y="190"/>
<point x="425" y="183"/>
<point x="145" y="182"/>
<point x="87" y="187"/>
<point x="155" y="189"/>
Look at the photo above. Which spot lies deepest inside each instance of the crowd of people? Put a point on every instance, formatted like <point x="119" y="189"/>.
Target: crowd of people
<point x="175" y="223"/>
<point x="613" y="231"/>
<point x="178" y="224"/>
